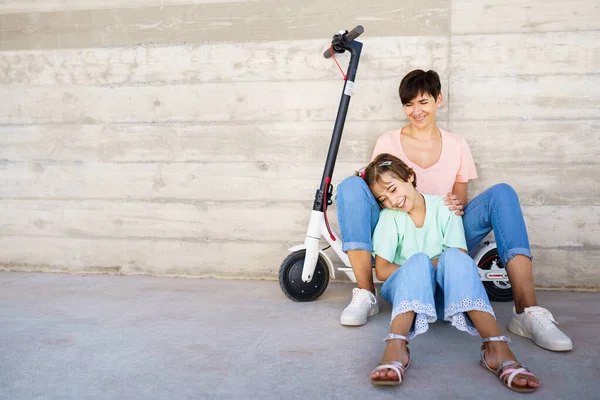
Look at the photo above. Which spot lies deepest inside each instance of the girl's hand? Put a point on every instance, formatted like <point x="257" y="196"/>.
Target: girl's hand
<point x="454" y="203"/>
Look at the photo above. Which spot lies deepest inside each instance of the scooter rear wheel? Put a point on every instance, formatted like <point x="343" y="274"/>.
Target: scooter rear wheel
<point x="499" y="290"/>
<point x="290" y="278"/>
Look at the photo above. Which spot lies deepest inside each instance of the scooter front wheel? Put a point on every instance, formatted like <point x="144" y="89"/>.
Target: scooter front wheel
<point x="290" y="278"/>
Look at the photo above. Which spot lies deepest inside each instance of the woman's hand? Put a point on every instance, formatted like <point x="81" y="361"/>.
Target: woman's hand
<point x="455" y="203"/>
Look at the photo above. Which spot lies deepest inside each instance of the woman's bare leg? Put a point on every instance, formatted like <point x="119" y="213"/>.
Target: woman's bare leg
<point x="520" y="275"/>
<point x="361" y="262"/>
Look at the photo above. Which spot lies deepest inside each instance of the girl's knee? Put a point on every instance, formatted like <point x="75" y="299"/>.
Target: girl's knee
<point x="418" y="259"/>
<point x="418" y="263"/>
<point x="453" y="256"/>
<point x="457" y="262"/>
<point x="451" y="252"/>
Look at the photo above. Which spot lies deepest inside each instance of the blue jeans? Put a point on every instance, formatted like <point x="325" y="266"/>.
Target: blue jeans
<point x="451" y="290"/>
<point x="496" y="209"/>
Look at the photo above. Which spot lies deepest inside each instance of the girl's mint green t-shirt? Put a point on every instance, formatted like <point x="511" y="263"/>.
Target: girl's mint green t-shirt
<point x="396" y="238"/>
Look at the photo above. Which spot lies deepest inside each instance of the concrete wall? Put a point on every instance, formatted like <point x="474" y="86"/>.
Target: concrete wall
<point x="187" y="137"/>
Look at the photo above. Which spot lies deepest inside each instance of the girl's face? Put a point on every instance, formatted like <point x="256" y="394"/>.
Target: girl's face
<point x="421" y="110"/>
<point x="392" y="192"/>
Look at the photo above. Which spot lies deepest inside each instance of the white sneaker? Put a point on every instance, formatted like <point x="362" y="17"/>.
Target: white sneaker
<point x="363" y="305"/>
<point x="538" y="324"/>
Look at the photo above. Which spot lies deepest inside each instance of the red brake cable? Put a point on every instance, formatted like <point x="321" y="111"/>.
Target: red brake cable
<point x="336" y="61"/>
<point x="327" y="181"/>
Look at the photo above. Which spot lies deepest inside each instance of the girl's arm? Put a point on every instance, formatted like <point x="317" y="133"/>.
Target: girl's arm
<point x="384" y="268"/>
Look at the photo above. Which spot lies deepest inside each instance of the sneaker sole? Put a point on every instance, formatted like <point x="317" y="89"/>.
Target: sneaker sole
<point x="516" y="328"/>
<point x="360" y="322"/>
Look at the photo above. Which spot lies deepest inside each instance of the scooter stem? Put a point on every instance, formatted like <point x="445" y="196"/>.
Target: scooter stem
<point x="318" y="226"/>
<point x="355" y="49"/>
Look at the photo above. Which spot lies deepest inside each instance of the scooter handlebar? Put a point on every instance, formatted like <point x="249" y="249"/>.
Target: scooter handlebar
<point x="354" y="33"/>
<point x="348" y="37"/>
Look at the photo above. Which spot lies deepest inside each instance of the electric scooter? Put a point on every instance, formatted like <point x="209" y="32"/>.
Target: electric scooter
<point x="304" y="274"/>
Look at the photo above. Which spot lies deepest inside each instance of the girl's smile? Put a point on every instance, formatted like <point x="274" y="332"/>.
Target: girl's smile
<point x="402" y="202"/>
<point x="395" y="193"/>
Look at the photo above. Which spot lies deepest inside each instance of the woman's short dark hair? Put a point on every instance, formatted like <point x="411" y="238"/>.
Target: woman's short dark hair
<point x="419" y="82"/>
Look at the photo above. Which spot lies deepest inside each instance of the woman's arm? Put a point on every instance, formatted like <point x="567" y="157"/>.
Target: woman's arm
<point x="384" y="268"/>
<point x="458" y="198"/>
<point x="460" y="189"/>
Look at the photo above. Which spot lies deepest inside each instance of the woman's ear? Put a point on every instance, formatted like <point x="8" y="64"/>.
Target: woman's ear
<point x="411" y="178"/>
<point x="439" y="100"/>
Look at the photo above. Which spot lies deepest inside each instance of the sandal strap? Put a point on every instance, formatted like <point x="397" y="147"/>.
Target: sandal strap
<point x="507" y="371"/>
<point x="483" y="362"/>
<point x="513" y="373"/>
<point x="393" y="336"/>
<point x="386" y="364"/>
<point x="496" y="339"/>
<point x="396" y="366"/>
<point x="501" y="371"/>
<point x="506" y="364"/>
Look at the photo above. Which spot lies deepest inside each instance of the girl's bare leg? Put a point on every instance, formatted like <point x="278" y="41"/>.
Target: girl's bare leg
<point x="498" y="352"/>
<point x="395" y="350"/>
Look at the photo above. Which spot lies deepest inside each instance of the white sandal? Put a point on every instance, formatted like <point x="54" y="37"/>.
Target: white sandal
<point x="395" y="366"/>
<point x="505" y="373"/>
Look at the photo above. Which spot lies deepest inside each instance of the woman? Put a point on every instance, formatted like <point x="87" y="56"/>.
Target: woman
<point x="444" y="165"/>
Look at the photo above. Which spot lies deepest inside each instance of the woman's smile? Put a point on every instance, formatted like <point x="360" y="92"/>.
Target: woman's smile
<point x="419" y="118"/>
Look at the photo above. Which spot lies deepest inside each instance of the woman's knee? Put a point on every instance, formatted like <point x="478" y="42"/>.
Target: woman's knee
<point x="503" y="191"/>
<point x="357" y="212"/>
<point x="354" y="190"/>
<point x="352" y="185"/>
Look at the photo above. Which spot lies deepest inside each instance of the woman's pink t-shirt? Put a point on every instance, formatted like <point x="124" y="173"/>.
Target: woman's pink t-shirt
<point x="454" y="165"/>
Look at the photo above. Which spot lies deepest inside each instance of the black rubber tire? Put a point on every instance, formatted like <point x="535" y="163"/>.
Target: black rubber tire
<point x="290" y="278"/>
<point x="500" y="292"/>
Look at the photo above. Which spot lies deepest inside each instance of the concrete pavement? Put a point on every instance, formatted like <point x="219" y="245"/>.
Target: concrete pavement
<point x="140" y="337"/>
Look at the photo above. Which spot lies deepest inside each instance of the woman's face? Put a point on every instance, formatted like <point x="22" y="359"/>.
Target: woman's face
<point x="421" y="110"/>
<point x="392" y="192"/>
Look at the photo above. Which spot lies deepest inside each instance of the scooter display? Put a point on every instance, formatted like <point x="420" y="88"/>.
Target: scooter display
<point x="304" y="274"/>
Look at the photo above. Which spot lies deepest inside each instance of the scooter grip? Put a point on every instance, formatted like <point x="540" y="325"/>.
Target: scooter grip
<point x="354" y="33"/>
<point x="350" y="36"/>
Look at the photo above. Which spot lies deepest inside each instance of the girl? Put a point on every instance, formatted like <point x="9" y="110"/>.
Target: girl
<point x="420" y="254"/>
